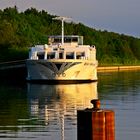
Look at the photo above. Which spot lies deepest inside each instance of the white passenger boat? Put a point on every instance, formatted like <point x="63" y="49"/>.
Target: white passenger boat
<point x="63" y="59"/>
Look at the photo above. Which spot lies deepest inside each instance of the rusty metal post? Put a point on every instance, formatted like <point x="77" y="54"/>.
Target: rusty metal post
<point x="95" y="123"/>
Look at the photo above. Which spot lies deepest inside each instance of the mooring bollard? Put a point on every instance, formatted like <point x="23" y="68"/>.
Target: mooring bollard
<point x="95" y="123"/>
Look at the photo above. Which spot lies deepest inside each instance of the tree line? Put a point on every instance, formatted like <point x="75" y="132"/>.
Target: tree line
<point x="21" y="30"/>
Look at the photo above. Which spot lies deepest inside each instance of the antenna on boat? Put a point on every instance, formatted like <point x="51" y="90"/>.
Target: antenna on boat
<point x="62" y="20"/>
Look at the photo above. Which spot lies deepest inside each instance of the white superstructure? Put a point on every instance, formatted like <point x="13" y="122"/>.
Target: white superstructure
<point x="64" y="58"/>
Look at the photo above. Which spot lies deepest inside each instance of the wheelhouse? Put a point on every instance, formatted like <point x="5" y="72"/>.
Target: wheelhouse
<point x="69" y="39"/>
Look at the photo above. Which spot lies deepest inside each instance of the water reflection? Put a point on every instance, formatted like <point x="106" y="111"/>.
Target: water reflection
<point x="56" y="105"/>
<point x="44" y="111"/>
<point x="55" y="98"/>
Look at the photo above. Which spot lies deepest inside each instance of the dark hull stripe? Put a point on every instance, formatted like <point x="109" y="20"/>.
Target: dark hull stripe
<point x="51" y="82"/>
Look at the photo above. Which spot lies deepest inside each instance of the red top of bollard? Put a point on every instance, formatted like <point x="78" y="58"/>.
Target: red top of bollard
<point x="96" y="103"/>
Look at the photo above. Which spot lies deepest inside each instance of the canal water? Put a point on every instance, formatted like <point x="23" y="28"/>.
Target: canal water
<point x="49" y="112"/>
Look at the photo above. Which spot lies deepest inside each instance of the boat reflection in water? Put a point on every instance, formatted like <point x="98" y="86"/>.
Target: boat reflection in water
<point x="55" y="98"/>
<point x="55" y="106"/>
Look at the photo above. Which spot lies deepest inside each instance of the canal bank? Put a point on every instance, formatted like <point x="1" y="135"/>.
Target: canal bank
<point x="117" y="68"/>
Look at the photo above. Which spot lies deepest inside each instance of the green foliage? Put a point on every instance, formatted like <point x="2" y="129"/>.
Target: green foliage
<point x="21" y="30"/>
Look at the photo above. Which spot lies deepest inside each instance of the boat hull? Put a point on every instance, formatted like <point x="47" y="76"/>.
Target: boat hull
<point x="61" y="71"/>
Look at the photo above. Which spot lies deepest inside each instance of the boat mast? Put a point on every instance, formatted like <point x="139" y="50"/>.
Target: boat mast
<point x="62" y="31"/>
<point x="62" y="19"/>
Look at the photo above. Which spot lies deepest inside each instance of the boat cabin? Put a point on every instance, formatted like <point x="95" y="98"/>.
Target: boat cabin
<point x="72" y="48"/>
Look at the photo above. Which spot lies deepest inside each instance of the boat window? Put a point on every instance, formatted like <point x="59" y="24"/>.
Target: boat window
<point x="70" y="39"/>
<point x="75" y="39"/>
<point x="57" y="40"/>
<point x="69" y="55"/>
<point x="40" y="55"/>
<point x="67" y="40"/>
<point x="60" y="55"/>
<point x="55" y="49"/>
<point x="80" y="55"/>
<point x="51" y="55"/>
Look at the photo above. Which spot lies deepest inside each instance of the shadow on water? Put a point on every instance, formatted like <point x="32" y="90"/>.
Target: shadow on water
<point x="13" y="76"/>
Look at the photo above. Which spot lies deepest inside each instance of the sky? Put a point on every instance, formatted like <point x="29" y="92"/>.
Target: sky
<point x="120" y="16"/>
